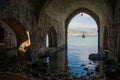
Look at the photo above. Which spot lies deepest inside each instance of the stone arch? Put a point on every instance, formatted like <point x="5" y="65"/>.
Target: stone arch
<point x="7" y="35"/>
<point x="87" y="11"/>
<point x="52" y="37"/>
<point x="18" y="29"/>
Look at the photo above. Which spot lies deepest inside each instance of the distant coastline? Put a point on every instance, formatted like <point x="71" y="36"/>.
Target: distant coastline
<point x="85" y="36"/>
<point x="77" y="34"/>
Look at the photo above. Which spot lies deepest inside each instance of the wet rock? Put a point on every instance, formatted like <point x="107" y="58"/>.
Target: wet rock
<point x="88" y="73"/>
<point x="97" y="69"/>
<point x="97" y="57"/>
<point x="91" y="73"/>
<point x="90" y="63"/>
<point x="85" y="68"/>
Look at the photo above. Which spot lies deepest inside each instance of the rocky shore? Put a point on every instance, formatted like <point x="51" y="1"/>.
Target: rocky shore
<point x="48" y="76"/>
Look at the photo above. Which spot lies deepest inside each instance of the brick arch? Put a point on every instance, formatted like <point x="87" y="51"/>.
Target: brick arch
<point x="87" y="11"/>
<point x="18" y="29"/>
<point x="52" y="37"/>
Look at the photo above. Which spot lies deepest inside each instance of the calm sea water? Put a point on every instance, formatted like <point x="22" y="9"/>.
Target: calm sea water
<point x="78" y="51"/>
<point x="77" y="57"/>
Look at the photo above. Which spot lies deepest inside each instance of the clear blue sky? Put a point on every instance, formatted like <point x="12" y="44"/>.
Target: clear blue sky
<point x="83" y="23"/>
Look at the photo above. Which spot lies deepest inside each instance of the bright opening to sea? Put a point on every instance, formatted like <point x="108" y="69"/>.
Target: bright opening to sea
<point x="82" y="41"/>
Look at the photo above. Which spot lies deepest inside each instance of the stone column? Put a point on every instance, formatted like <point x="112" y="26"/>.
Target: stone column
<point x="113" y="41"/>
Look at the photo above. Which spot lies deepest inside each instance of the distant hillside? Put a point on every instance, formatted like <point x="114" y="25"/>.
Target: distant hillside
<point x="72" y="32"/>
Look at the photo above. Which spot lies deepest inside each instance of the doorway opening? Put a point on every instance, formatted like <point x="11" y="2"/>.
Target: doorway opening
<point x="82" y="40"/>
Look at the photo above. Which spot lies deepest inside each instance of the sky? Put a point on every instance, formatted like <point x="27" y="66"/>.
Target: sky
<point x="83" y="23"/>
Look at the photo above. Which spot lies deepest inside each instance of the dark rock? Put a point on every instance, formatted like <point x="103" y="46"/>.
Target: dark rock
<point x="97" y="57"/>
<point x="88" y="73"/>
<point x="82" y="65"/>
<point x="85" y="68"/>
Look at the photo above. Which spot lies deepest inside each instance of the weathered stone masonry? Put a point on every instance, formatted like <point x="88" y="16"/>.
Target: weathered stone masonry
<point x="49" y="17"/>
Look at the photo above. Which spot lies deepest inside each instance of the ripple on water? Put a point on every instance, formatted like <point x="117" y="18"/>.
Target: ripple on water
<point x="78" y="55"/>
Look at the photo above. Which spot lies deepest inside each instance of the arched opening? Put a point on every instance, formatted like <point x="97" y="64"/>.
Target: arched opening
<point x="47" y="41"/>
<point x="82" y="41"/>
<point x="87" y="11"/>
<point x="18" y="29"/>
<point x="52" y="37"/>
<point x="8" y="40"/>
<point x="8" y="36"/>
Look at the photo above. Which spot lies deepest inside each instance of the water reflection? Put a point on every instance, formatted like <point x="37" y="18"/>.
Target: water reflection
<point x="65" y="62"/>
<point x="70" y="62"/>
<point x="57" y="62"/>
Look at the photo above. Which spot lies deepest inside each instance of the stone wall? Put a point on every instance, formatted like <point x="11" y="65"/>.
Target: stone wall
<point x="21" y="16"/>
<point x="45" y="23"/>
<point x="117" y="25"/>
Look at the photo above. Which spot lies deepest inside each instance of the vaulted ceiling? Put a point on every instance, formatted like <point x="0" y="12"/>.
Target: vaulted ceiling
<point x="39" y="5"/>
<point x="60" y="9"/>
<point x="112" y="4"/>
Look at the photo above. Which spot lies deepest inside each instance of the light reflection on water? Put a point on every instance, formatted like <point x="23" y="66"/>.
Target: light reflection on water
<point x="78" y="52"/>
<point x="75" y="58"/>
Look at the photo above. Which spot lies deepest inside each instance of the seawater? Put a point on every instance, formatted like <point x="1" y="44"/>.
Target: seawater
<point x="78" y="51"/>
<point x="74" y="60"/>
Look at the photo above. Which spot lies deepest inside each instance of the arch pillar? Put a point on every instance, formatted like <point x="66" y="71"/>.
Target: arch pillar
<point x="106" y="40"/>
<point x="113" y="37"/>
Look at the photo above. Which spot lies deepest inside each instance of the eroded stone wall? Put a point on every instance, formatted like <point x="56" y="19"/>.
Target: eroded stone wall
<point x="22" y="12"/>
<point x="117" y="25"/>
<point x="45" y="23"/>
<point x="55" y="15"/>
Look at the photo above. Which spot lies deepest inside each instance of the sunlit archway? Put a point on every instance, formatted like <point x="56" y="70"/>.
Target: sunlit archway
<point x="90" y="13"/>
<point x="83" y="31"/>
<point x="82" y="27"/>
